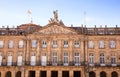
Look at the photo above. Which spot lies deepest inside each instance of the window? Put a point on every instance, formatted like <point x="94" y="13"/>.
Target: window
<point x="65" y="44"/>
<point x="44" y="44"/>
<point x="102" y="58"/>
<point x="54" y="58"/>
<point x="33" y="59"/>
<point x="54" y="44"/>
<point x="1" y="44"/>
<point x="76" y="44"/>
<point x="101" y="44"/>
<point x="0" y="59"/>
<point x="19" y="61"/>
<point x="11" y="44"/>
<point x="113" y="60"/>
<point x="20" y="45"/>
<point x="112" y="44"/>
<point x="91" y="58"/>
<point x="77" y="59"/>
<point x="91" y="44"/>
<point x="34" y="43"/>
<point x="9" y="60"/>
<point x="65" y="58"/>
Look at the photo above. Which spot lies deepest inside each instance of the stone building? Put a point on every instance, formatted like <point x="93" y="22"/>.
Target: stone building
<point x="55" y="50"/>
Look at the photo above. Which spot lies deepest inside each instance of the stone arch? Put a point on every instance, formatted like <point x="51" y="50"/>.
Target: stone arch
<point x="18" y="74"/>
<point x="114" y="74"/>
<point x="103" y="74"/>
<point x="8" y="74"/>
<point x="92" y="74"/>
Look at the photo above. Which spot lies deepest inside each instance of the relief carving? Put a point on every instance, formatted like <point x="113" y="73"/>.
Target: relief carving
<point x="55" y="29"/>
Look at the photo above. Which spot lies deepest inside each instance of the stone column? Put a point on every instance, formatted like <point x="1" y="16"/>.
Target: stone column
<point x="38" y="52"/>
<point x="37" y="73"/>
<point x="3" y="73"/>
<point x="97" y="74"/>
<point x="71" y="73"/>
<point x="13" y="73"/>
<point x="26" y="74"/>
<point x="59" y="73"/>
<point x="48" y="73"/>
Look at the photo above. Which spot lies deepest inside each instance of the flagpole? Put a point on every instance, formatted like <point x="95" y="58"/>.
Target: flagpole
<point x="84" y="18"/>
<point x="30" y="16"/>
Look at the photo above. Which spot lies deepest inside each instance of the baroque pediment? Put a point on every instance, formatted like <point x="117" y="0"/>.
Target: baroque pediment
<point x="57" y="29"/>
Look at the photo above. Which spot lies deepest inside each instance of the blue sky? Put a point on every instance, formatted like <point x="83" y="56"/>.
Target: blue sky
<point x="98" y="12"/>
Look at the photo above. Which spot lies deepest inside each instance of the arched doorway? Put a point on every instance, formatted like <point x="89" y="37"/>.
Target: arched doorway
<point x="8" y="74"/>
<point x="114" y="74"/>
<point x="103" y="74"/>
<point x="92" y="74"/>
<point x="18" y="74"/>
<point x="0" y="74"/>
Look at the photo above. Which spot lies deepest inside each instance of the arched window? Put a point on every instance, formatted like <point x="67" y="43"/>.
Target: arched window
<point x="92" y="74"/>
<point x="103" y="74"/>
<point x="114" y="74"/>
<point x="8" y="74"/>
<point x="18" y="74"/>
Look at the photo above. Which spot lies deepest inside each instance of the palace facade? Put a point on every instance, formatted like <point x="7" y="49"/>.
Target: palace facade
<point x="55" y="50"/>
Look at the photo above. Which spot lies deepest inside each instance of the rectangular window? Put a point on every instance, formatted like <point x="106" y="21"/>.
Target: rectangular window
<point x="112" y="44"/>
<point x="54" y="58"/>
<point x="11" y="44"/>
<point x="101" y="44"/>
<point x="76" y="44"/>
<point x="0" y="59"/>
<point x="65" y="44"/>
<point x="102" y="59"/>
<point x="19" y="61"/>
<point x="1" y="44"/>
<point x="77" y="58"/>
<point x="91" y="58"/>
<point x="54" y="44"/>
<point x="113" y="60"/>
<point x="9" y="60"/>
<point x="44" y="44"/>
<point x="65" y="58"/>
<point x="34" y="43"/>
<point x="33" y="59"/>
<point x="21" y="44"/>
<point x="91" y="44"/>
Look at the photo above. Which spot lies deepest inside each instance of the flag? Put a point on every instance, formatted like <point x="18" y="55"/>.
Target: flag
<point x="29" y="12"/>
